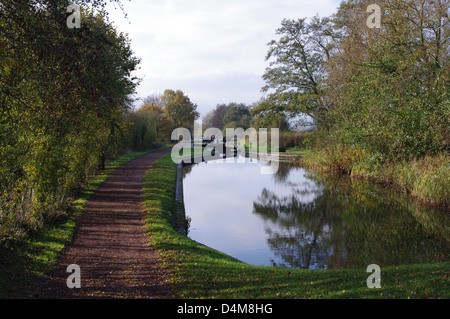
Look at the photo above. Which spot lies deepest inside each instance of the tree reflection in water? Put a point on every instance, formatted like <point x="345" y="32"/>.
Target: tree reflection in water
<point x="348" y="224"/>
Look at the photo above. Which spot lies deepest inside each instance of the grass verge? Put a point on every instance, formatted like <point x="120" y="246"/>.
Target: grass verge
<point x="199" y="272"/>
<point x="24" y="266"/>
<point x="426" y="179"/>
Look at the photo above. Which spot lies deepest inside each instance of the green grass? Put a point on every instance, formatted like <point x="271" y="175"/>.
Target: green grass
<point x="198" y="271"/>
<point x="257" y="149"/>
<point x="24" y="266"/>
<point x="298" y="150"/>
<point x="195" y="150"/>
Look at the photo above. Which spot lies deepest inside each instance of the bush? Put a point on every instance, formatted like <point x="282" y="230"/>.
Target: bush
<point x="292" y="139"/>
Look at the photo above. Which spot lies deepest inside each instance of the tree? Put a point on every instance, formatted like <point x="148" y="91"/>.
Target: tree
<point x="215" y="118"/>
<point x="266" y="113"/>
<point x="297" y="66"/>
<point x="179" y="109"/>
<point x="154" y="99"/>
<point x="63" y="93"/>
<point x="237" y="114"/>
<point x="390" y="85"/>
<point x="207" y="120"/>
<point x="148" y="126"/>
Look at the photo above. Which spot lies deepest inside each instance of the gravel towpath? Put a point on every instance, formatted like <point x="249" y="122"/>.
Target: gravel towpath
<point x="110" y="244"/>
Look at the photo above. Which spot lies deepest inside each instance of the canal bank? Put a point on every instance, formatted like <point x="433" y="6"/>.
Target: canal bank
<point x="198" y="271"/>
<point x="425" y="179"/>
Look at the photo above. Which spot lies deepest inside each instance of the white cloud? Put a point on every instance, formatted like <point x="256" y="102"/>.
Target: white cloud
<point x="213" y="50"/>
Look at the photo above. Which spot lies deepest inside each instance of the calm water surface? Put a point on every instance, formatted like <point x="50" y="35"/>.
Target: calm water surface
<point x="297" y="219"/>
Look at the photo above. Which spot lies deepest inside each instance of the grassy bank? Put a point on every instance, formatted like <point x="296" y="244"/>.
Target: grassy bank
<point x="201" y="272"/>
<point x="426" y="179"/>
<point x="24" y="265"/>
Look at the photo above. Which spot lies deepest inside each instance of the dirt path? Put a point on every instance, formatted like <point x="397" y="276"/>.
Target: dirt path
<point x="110" y="244"/>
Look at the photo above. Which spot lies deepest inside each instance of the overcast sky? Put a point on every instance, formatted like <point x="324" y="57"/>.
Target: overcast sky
<point x="212" y="50"/>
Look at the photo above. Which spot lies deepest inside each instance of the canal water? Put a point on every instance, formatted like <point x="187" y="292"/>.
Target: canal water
<point x="298" y="219"/>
